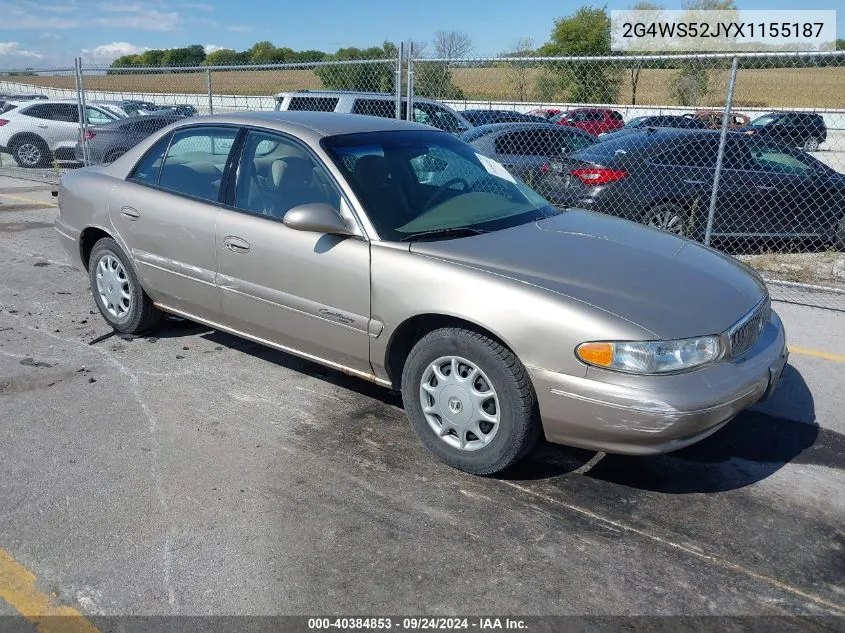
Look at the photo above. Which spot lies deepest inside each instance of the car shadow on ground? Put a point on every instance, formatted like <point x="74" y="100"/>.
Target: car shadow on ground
<point x="753" y="446"/>
<point x="304" y="366"/>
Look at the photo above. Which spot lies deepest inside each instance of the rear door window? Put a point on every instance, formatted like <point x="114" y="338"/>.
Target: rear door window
<point x="313" y="104"/>
<point x="195" y="160"/>
<point x="523" y="143"/>
<point x="692" y="153"/>
<point x="375" y="107"/>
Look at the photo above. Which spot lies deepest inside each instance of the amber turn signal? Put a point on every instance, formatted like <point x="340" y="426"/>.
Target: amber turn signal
<point x="596" y="353"/>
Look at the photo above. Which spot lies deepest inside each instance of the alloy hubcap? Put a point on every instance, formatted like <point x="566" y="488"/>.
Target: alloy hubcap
<point x="667" y="220"/>
<point x="113" y="287"/>
<point x="29" y="154"/>
<point x="459" y="403"/>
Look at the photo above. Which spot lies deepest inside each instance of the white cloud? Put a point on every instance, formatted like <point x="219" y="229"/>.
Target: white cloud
<point x="200" y="6"/>
<point x="47" y="35"/>
<point x="21" y="20"/>
<point x="13" y="49"/>
<point x="107" y="53"/>
<point x="148" y="21"/>
<point x="213" y="48"/>
<point x="239" y="28"/>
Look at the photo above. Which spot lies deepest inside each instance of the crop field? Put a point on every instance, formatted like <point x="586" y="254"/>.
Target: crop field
<point x="780" y="87"/>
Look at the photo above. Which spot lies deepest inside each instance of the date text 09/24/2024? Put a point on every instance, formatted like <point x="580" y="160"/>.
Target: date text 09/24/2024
<point x="417" y="623"/>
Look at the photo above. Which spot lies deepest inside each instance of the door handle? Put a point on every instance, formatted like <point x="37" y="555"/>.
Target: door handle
<point x="129" y="213"/>
<point x="236" y="244"/>
<point x="693" y="182"/>
<point x="43" y="127"/>
<point x="764" y="188"/>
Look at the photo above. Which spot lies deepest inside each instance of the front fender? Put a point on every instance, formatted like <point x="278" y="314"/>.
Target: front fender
<point x="540" y="326"/>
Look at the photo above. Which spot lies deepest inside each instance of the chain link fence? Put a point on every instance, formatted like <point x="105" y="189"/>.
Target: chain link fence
<point x="744" y="152"/>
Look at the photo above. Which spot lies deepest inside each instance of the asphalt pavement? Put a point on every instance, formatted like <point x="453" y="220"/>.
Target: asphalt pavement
<point x="191" y="472"/>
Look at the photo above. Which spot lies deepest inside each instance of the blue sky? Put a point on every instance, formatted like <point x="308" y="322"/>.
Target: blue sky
<point x="51" y="32"/>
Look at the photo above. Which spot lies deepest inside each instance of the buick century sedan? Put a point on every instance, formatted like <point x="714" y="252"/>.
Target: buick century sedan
<point x="396" y="253"/>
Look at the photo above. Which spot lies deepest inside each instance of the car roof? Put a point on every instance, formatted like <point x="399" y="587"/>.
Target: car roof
<point x="490" y="128"/>
<point x="320" y="123"/>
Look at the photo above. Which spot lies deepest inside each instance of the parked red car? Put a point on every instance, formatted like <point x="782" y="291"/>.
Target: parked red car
<point x="594" y="121"/>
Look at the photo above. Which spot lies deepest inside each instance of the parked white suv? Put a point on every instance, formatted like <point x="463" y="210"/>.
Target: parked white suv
<point x="380" y="104"/>
<point x="36" y="132"/>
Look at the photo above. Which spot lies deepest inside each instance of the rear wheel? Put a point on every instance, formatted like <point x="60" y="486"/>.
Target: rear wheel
<point x="668" y="217"/>
<point x="30" y="152"/>
<point x="811" y="144"/>
<point x="839" y="235"/>
<point x="117" y="292"/>
<point x="470" y="401"/>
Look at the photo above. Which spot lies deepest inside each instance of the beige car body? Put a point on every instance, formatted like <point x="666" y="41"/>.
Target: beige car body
<point x="357" y="302"/>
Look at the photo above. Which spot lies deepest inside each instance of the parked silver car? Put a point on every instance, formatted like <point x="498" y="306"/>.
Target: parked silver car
<point x="397" y="253"/>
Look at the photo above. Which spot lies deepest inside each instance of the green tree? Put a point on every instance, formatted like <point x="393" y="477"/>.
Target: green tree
<point x="152" y="57"/>
<point x="360" y="77"/>
<point x="193" y="55"/>
<point x="126" y="61"/>
<point x="227" y="57"/>
<point x="586" y="32"/>
<point x="263" y="52"/>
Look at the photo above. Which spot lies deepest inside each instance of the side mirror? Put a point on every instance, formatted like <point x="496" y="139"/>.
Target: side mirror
<point x="316" y="217"/>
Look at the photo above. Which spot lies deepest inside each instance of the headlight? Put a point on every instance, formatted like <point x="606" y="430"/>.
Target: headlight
<point x="650" y="357"/>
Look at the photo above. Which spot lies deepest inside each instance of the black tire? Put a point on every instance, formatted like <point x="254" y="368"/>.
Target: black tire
<point x="31" y="151"/>
<point x="141" y="314"/>
<point x="667" y="216"/>
<point x="839" y="235"/>
<point x="811" y="144"/>
<point x="519" y="419"/>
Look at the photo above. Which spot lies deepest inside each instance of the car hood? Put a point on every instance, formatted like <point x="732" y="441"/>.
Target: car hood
<point x="667" y="285"/>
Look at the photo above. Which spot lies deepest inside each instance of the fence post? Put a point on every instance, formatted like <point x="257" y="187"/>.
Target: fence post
<point x="208" y="87"/>
<point x="409" y="115"/>
<point x="80" y="105"/>
<point x="398" y="83"/>
<point x="711" y="214"/>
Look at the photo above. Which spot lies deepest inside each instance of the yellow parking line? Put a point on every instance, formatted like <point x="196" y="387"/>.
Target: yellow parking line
<point x="806" y="351"/>
<point x="17" y="587"/>
<point x="25" y="199"/>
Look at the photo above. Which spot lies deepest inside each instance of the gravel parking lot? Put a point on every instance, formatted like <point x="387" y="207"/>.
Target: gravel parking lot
<point x="191" y="472"/>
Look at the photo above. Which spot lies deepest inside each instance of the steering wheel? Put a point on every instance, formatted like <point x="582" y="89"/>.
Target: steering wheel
<point x="442" y="189"/>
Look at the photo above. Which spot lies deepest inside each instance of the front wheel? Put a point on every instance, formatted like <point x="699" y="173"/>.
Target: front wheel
<point x="470" y="400"/>
<point x="118" y="294"/>
<point x="811" y="144"/>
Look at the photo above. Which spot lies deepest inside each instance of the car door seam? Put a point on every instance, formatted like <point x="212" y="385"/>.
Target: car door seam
<point x="222" y="286"/>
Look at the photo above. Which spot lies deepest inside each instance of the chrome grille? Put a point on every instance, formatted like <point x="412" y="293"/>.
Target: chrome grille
<point x="745" y="333"/>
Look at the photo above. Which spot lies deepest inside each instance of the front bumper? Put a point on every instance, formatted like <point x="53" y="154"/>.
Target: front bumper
<point x="642" y="415"/>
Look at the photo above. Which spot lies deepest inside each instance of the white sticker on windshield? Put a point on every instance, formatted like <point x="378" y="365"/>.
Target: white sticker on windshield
<point x="495" y="169"/>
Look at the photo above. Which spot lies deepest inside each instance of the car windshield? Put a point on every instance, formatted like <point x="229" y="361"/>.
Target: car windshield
<point x="766" y="119"/>
<point x="638" y="121"/>
<point x="421" y="184"/>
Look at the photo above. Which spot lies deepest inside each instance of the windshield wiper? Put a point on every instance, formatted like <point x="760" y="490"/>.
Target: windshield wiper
<point x="460" y="231"/>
